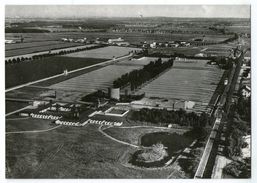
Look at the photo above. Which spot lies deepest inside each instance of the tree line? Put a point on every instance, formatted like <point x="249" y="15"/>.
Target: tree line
<point x="235" y="37"/>
<point x="25" y="30"/>
<point x="137" y="77"/>
<point x="41" y="56"/>
<point x="239" y="125"/>
<point x="179" y="117"/>
<point x="223" y="62"/>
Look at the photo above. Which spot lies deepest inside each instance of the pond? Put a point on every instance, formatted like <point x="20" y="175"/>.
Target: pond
<point x="173" y="141"/>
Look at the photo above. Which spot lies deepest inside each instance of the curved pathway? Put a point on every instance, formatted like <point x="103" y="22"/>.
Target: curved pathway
<point x="116" y="140"/>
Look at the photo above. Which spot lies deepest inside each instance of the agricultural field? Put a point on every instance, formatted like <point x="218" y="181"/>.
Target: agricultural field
<point x="239" y="28"/>
<point x="219" y="50"/>
<point x="31" y="44"/>
<point x="27" y="48"/>
<point x="191" y="80"/>
<point x="37" y="37"/>
<point x="103" y="53"/>
<point x="20" y="73"/>
<point x="213" y="38"/>
<point x="132" y="37"/>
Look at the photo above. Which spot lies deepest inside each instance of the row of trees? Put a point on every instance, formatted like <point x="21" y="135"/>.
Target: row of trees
<point x="235" y="37"/>
<point x="25" y="30"/>
<point x="49" y="54"/>
<point x="163" y="116"/>
<point x="162" y="31"/>
<point x="239" y="126"/>
<point x="137" y="77"/>
<point x="223" y="62"/>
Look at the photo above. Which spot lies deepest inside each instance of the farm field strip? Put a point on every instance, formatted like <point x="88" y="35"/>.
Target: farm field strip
<point x="23" y="51"/>
<point x="31" y="44"/>
<point x="95" y="80"/>
<point x="131" y="37"/>
<point x="53" y="51"/>
<point x="106" y="52"/>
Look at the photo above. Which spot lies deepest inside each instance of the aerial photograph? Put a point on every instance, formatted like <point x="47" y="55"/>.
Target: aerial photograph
<point x="127" y="91"/>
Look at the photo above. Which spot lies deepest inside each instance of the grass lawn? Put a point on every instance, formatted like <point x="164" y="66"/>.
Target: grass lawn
<point x="68" y="152"/>
<point x="132" y="135"/>
<point x="117" y="111"/>
<point x="17" y="74"/>
<point x="13" y="106"/>
<point x="27" y="124"/>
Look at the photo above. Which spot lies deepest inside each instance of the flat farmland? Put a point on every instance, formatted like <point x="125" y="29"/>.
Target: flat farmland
<point x="26" y="48"/>
<point x="31" y="44"/>
<point x="17" y="74"/>
<point x="220" y="49"/>
<point x="37" y="37"/>
<point x="239" y="29"/>
<point x="214" y="38"/>
<point x="133" y="38"/>
<point x="99" y="79"/>
<point x="105" y="52"/>
<point x="68" y="152"/>
<point x="194" y="81"/>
